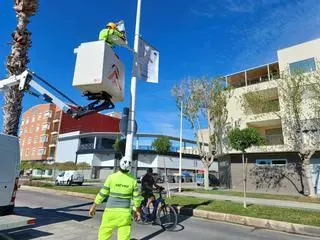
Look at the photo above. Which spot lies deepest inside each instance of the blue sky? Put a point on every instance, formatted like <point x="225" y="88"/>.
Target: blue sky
<point x="195" y="38"/>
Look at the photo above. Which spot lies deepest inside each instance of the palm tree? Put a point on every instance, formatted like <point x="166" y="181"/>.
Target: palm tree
<point x="17" y="62"/>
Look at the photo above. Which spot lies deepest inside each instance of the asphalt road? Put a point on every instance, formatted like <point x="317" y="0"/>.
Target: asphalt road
<point x="65" y="217"/>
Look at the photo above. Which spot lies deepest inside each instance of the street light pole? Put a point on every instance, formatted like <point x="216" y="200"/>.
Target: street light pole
<point x="131" y="121"/>
<point x="180" y="154"/>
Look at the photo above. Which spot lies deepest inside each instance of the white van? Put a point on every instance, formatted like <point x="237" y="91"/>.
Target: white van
<point x="9" y="172"/>
<point x="69" y="178"/>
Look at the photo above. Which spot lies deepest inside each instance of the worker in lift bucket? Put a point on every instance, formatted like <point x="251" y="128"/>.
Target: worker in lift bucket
<point x="111" y="34"/>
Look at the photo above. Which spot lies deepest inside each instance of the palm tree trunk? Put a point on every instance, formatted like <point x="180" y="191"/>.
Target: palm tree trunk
<point x="17" y="62"/>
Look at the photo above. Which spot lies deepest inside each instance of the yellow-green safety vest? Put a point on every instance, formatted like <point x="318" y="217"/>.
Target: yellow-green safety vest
<point x="119" y="191"/>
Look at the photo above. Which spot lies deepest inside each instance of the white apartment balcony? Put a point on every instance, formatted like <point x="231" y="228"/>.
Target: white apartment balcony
<point x="264" y="119"/>
<point x="254" y="75"/>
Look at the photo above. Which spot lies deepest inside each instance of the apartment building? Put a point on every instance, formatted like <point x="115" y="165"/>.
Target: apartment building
<point x="271" y="122"/>
<point x="41" y="125"/>
<point x="39" y="131"/>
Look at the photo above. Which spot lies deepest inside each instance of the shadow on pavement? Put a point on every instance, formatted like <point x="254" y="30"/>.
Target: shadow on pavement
<point x="186" y="212"/>
<point x="29" y="234"/>
<point x="152" y="235"/>
<point x="45" y="217"/>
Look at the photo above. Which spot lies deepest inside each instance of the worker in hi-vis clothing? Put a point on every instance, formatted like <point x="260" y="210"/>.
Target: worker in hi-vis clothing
<point x="109" y="34"/>
<point x="120" y="192"/>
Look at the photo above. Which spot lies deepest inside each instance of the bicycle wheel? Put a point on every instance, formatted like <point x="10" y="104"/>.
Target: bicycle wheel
<point x="167" y="217"/>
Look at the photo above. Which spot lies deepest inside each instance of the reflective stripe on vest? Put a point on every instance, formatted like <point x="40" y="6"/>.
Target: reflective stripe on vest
<point x="121" y="195"/>
<point x="114" y="202"/>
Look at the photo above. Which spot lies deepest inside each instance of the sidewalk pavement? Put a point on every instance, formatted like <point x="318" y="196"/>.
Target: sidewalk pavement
<point x="256" y="201"/>
<point x="67" y="230"/>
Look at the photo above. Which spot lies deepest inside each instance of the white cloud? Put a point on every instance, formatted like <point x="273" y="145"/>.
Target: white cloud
<point x="221" y="8"/>
<point x="287" y="24"/>
<point x="241" y="6"/>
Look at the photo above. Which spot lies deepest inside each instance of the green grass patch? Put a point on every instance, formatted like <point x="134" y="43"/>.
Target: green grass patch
<point x="275" y="213"/>
<point x="79" y="189"/>
<point x="257" y="195"/>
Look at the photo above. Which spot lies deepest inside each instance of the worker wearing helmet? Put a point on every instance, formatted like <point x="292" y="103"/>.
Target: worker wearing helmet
<point x="119" y="190"/>
<point x="110" y="33"/>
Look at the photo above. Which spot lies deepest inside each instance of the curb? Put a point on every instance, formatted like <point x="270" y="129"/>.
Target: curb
<point x="59" y="192"/>
<point x="223" y="217"/>
<point x="253" y="222"/>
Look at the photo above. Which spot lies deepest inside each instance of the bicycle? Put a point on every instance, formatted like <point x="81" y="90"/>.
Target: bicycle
<point x="163" y="214"/>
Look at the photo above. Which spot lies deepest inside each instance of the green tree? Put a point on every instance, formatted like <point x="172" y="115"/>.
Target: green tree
<point x="24" y="165"/>
<point x="67" y="166"/>
<point x="17" y="62"/>
<point x="204" y="106"/>
<point x="161" y="145"/>
<point x="41" y="166"/>
<point x="241" y="140"/>
<point x="120" y="146"/>
<point x="83" y="166"/>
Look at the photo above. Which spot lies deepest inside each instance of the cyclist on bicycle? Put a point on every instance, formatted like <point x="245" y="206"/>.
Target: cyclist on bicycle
<point x="148" y="185"/>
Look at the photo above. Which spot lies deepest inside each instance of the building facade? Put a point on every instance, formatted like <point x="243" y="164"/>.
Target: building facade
<point x="96" y="149"/>
<point x="272" y="122"/>
<point x="38" y="132"/>
<point x="42" y="124"/>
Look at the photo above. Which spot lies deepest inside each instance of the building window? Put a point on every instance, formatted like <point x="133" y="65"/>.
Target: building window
<point x="33" y="118"/>
<point x="27" y="152"/>
<point x="86" y="143"/>
<point x="274" y="136"/>
<point x="41" y="151"/>
<point x="20" y="132"/>
<point x="31" y="129"/>
<point x="107" y="143"/>
<point x="307" y="65"/>
<point x="47" y="114"/>
<point x="45" y="126"/>
<point x="52" y="151"/>
<point x="22" y="122"/>
<point x="29" y="140"/>
<point x="25" y="130"/>
<point x="39" y="116"/>
<point x="271" y="162"/>
<point x="27" y="121"/>
<point x="35" y="140"/>
<point x="44" y="138"/>
<point x="33" y="153"/>
<point x="57" y="115"/>
<point x="54" y="139"/>
<point x="37" y="129"/>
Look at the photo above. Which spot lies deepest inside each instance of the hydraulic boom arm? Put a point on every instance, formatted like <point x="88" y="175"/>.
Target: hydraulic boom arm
<point x="26" y="82"/>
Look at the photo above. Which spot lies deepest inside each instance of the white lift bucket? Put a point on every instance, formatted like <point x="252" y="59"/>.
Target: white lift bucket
<point x="98" y="69"/>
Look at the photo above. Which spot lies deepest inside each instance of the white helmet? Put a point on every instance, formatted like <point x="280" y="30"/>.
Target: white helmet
<point x="125" y="164"/>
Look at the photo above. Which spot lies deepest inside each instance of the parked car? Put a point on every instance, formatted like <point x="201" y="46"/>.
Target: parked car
<point x="69" y="178"/>
<point x="213" y="181"/>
